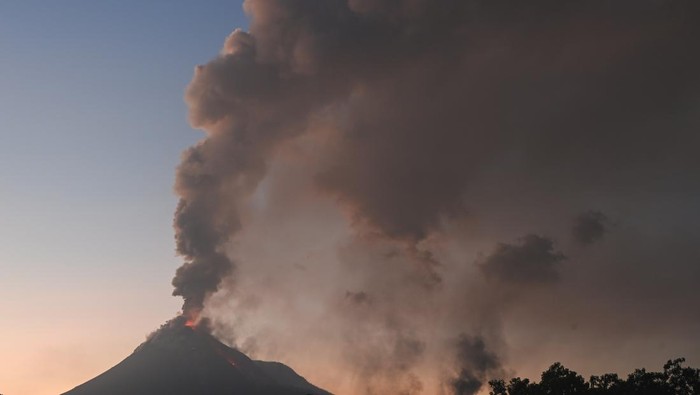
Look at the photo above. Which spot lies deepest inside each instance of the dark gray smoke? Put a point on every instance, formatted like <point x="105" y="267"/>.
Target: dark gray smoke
<point x="438" y="128"/>
<point x="476" y="365"/>
<point x="533" y="261"/>
<point x="590" y="227"/>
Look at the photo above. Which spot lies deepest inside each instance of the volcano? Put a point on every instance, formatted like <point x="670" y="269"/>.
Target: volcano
<point x="181" y="360"/>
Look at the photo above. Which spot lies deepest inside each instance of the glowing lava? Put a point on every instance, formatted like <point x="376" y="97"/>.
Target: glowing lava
<point x="191" y="319"/>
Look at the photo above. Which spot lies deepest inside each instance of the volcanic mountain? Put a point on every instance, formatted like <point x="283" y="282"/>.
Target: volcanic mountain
<point x="181" y="360"/>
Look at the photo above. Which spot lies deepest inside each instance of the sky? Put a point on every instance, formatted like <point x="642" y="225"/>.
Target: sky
<point x="413" y="196"/>
<point x="91" y="128"/>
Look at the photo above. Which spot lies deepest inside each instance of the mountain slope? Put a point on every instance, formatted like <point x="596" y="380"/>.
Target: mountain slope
<point x="177" y="360"/>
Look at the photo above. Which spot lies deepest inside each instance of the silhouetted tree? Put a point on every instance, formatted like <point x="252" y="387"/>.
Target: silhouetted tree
<point x="608" y="383"/>
<point x="558" y="380"/>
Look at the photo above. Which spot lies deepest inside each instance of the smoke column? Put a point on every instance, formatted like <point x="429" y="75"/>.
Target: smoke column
<point x="425" y="158"/>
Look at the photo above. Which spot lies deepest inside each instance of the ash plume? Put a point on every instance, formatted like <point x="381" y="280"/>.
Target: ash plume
<point x="246" y="106"/>
<point x="359" y="155"/>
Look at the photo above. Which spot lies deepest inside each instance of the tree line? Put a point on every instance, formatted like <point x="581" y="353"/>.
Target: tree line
<point x="675" y="379"/>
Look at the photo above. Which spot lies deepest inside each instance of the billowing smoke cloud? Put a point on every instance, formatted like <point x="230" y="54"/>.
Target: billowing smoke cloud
<point x="360" y="155"/>
<point x="247" y="107"/>
<point x="590" y="227"/>
<point x="533" y="261"/>
<point x="476" y="364"/>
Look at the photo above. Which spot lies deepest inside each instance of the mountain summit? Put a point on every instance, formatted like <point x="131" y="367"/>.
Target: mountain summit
<point x="182" y="360"/>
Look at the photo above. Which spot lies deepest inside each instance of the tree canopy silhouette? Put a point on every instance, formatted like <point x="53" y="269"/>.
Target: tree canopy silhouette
<point x="675" y="379"/>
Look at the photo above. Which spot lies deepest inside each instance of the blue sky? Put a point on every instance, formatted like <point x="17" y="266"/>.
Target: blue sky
<point x="92" y="123"/>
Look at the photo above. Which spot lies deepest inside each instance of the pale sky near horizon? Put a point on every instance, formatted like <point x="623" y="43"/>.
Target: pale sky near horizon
<point x="92" y="123"/>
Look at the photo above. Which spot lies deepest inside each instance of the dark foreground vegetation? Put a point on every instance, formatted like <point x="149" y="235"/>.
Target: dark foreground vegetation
<point x="675" y="379"/>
